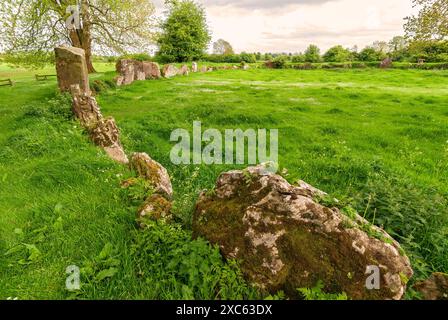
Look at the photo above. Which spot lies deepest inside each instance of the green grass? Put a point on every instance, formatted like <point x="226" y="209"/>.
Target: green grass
<point x="61" y="204"/>
<point x="376" y="139"/>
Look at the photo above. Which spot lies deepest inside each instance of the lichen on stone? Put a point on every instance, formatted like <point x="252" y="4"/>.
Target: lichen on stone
<point x="286" y="240"/>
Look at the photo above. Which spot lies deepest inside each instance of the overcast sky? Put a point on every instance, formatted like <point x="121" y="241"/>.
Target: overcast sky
<point x="291" y="25"/>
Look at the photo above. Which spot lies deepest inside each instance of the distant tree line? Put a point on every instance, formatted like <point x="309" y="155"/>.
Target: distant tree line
<point x="399" y="49"/>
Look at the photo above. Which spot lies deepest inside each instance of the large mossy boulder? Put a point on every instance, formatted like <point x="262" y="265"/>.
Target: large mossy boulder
<point x="286" y="240"/>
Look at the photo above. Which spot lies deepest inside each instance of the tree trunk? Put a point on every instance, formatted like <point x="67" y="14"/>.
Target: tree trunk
<point x="88" y="49"/>
<point x="82" y="38"/>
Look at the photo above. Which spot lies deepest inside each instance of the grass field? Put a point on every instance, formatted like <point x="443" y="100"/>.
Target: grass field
<point x="375" y="139"/>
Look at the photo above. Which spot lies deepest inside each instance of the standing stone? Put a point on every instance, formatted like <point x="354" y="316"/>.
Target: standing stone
<point x="169" y="71"/>
<point x="125" y="68"/>
<point x="85" y="107"/>
<point x="184" y="70"/>
<point x="287" y="240"/>
<point x="386" y="63"/>
<point x="152" y="70"/>
<point x="194" y="67"/>
<point x="71" y="69"/>
<point x="203" y="69"/>
<point x="107" y="135"/>
<point x="139" y="71"/>
<point x="269" y="64"/>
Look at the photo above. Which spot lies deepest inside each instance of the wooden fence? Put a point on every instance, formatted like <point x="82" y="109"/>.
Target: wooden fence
<point x="43" y="77"/>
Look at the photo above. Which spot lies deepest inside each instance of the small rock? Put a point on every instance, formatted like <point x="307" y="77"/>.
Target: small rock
<point x="119" y="80"/>
<point x="194" y="67"/>
<point x="386" y="63"/>
<point x="156" y="207"/>
<point x="184" y="71"/>
<point x="245" y="66"/>
<point x="434" y="288"/>
<point x="154" y="172"/>
<point x="269" y="64"/>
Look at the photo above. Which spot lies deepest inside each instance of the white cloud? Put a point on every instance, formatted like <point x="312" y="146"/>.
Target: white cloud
<point x="291" y="25"/>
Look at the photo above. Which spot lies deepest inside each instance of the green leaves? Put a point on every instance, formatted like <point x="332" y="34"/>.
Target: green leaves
<point x="317" y="293"/>
<point x="107" y="273"/>
<point x="103" y="267"/>
<point x="26" y="254"/>
<point x="177" y="267"/>
<point x="185" y="35"/>
<point x="430" y="23"/>
<point x="33" y="253"/>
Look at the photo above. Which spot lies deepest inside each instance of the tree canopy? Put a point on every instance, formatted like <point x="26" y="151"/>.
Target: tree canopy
<point x="431" y="23"/>
<point x="337" y="54"/>
<point x="222" y="47"/>
<point x="185" y="35"/>
<point x="371" y="54"/>
<point x="312" y="54"/>
<point x="107" y="26"/>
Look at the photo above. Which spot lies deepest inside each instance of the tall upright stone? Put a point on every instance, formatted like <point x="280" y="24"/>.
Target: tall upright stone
<point x="194" y="67"/>
<point x="71" y="68"/>
<point x="386" y="63"/>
